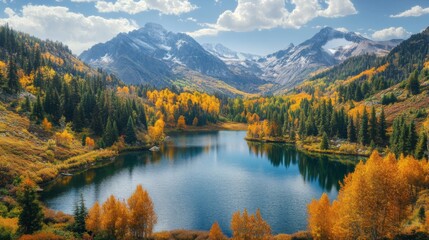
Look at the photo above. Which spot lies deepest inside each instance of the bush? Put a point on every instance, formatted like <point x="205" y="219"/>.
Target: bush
<point x="5" y="233"/>
<point x="41" y="235"/>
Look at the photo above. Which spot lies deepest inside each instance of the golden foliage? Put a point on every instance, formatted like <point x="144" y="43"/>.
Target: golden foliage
<point x="42" y="235"/>
<point x="123" y="90"/>
<point x="89" y="142"/>
<point x="216" y="232"/>
<point x="181" y="124"/>
<point x="47" y="125"/>
<point x="63" y="138"/>
<point x="319" y="220"/>
<point x="156" y="132"/>
<point x="142" y="214"/>
<point x="134" y="220"/>
<point x="10" y="224"/>
<point x="58" y="61"/>
<point x="373" y="201"/>
<point x="244" y="226"/>
<point x="93" y="219"/>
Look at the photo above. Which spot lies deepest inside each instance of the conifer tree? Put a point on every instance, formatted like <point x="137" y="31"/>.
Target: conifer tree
<point x="412" y="138"/>
<point x="363" y="130"/>
<point x="37" y="112"/>
<point x="80" y="214"/>
<point x="351" y="131"/>
<point x="413" y="83"/>
<point x="373" y="126"/>
<point x="421" y="147"/>
<point x="13" y="85"/>
<point x="31" y="216"/>
<point x="382" y="129"/>
<point x="130" y="133"/>
<point x="324" y="145"/>
<point x="110" y="133"/>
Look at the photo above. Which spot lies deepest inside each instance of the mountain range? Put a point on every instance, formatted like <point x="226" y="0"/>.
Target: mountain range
<point x="152" y="55"/>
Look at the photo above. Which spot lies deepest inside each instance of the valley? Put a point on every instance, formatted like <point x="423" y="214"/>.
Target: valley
<point x="289" y="145"/>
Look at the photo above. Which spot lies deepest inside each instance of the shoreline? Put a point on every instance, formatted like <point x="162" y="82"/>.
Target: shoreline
<point x="303" y="148"/>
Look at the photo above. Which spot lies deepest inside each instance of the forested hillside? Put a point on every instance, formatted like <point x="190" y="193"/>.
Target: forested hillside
<point x="58" y="114"/>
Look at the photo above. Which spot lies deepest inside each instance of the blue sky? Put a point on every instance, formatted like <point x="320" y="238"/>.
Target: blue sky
<point x="253" y="26"/>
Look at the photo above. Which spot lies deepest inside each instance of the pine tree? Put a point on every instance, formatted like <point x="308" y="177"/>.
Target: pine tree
<point x="31" y="216"/>
<point x="421" y="147"/>
<point x="37" y="112"/>
<point x="363" y="130"/>
<point x="373" y="126"/>
<point x="13" y="85"/>
<point x="324" y="145"/>
<point x="80" y="214"/>
<point x="110" y="133"/>
<point x="413" y="83"/>
<point x="351" y="131"/>
<point x="130" y="133"/>
<point x="382" y="129"/>
<point x="411" y="140"/>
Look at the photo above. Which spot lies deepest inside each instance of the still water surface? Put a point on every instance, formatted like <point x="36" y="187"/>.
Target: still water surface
<point x="199" y="178"/>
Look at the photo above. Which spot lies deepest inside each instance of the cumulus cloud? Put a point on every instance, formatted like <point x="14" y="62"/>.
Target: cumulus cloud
<point x="252" y="15"/>
<point x="169" y="7"/>
<point x="79" y="32"/>
<point x="415" y="11"/>
<point x="342" y="29"/>
<point x="391" y="33"/>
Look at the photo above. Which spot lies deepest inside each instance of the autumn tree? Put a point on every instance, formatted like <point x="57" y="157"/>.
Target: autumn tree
<point x="156" y="132"/>
<point x="142" y="216"/>
<point x="46" y="124"/>
<point x="93" y="219"/>
<point x="114" y="218"/>
<point x="216" y="232"/>
<point x="181" y="123"/>
<point x="195" y="122"/>
<point x="31" y="216"/>
<point x="320" y="220"/>
<point x="244" y="226"/>
<point x="371" y="204"/>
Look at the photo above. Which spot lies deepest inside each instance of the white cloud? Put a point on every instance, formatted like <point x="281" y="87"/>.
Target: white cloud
<point x="342" y="29"/>
<point x="79" y="32"/>
<point x="415" y="11"/>
<point x="391" y="33"/>
<point x="82" y="1"/>
<point x="252" y="15"/>
<point x="169" y="7"/>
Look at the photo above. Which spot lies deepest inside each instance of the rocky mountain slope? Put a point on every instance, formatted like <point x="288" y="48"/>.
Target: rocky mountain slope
<point x="153" y="55"/>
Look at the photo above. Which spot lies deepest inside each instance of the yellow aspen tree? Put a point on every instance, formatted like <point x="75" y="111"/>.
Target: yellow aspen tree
<point x="181" y="124"/>
<point x="216" y="232"/>
<point x="319" y="219"/>
<point x="142" y="216"/>
<point x="93" y="220"/>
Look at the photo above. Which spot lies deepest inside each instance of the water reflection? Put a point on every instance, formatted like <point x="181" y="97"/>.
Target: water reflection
<point x="199" y="178"/>
<point x="327" y="171"/>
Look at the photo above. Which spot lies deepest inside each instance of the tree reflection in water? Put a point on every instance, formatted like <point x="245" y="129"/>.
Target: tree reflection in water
<point x="328" y="171"/>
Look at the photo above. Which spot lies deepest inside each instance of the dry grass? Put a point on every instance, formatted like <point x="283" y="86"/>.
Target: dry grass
<point x="25" y="151"/>
<point x="181" y="235"/>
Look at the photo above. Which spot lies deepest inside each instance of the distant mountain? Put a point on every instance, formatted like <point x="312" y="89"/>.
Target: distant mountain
<point x="327" y="48"/>
<point x="159" y="57"/>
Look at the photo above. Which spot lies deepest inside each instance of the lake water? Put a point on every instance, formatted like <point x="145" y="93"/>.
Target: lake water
<point x="199" y="178"/>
